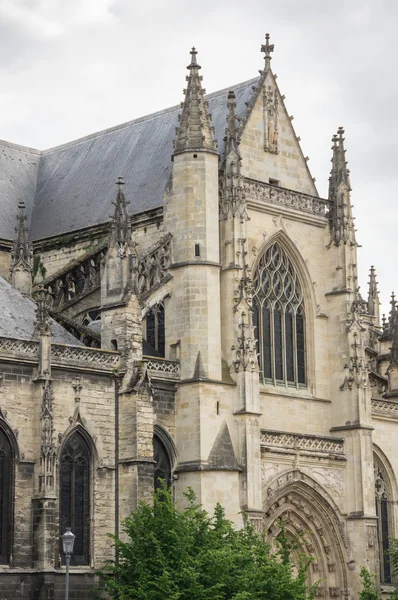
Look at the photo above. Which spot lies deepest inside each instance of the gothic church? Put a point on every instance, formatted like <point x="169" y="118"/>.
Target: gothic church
<point x="211" y="334"/>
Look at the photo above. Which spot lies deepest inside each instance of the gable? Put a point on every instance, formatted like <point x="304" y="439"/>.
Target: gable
<point x="269" y="147"/>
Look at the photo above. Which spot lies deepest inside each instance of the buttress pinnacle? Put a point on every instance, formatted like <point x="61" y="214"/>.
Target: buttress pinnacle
<point x="373" y="294"/>
<point x="22" y="249"/>
<point x="120" y="226"/>
<point x="195" y="131"/>
<point x="340" y="219"/>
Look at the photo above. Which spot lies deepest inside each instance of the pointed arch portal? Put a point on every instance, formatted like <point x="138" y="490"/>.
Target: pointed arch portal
<point x="296" y="499"/>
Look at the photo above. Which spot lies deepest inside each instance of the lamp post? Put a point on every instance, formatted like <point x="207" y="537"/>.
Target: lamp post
<point x="68" y="539"/>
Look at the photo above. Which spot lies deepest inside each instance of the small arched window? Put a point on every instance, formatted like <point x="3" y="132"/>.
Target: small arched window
<point x="75" y="464"/>
<point x="6" y="483"/>
<point x="155" y="331"/>
<point x="383" y="512"/>
<point x="162" y="470"/>
<point x="279" y="318"/>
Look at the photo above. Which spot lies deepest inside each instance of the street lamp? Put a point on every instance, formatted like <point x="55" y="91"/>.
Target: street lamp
<point x="68" y="539"/>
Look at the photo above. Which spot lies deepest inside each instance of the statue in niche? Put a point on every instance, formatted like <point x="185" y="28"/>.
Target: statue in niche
<point x="270" y="103"/>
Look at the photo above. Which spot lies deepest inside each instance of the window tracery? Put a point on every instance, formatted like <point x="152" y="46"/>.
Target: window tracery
<point x="6" y="462"/>
<point x="383" y="512"/>
<point x="75" y="495"/>
<point x="279" y="318"/>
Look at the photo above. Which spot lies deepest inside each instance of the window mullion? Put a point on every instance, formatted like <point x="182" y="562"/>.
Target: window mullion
<point x="272" y="349"/>
<point x="284" y="343"/>
<point x="260" y="337"/>
<point x="295" y="362"/>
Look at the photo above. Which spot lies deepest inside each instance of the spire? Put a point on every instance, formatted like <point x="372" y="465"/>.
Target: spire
<point x="21" y="255"/>
<point x="340" y="220"/>
<point x="120" y="227"/>
<point x="267" y="48"/>
<point x="195" y="131"/>
<point x="373" y="295"/>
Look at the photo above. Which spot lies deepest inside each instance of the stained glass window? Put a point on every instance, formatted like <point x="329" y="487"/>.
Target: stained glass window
<point x="279" y="319"/>
<point x="162" y="471"/>
<point x="383" y="504"/>
<point x="155" y="329"/>
<point x="6" y="460"/>
<point x="75" y="495"/>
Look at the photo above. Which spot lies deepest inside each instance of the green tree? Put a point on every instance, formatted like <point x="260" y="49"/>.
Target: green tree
<point x="173" y="554"/>
<point x="369" y="591"/>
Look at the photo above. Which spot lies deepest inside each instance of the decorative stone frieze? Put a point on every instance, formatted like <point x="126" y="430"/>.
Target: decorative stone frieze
<point x="385" y="408"/>
<point x="264" y="192"/>
<point x="293" y="441"/>
<point x="163" y="369"/>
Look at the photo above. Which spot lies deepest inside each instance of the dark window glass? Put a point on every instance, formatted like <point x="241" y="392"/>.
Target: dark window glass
<point x="385" y="539"/>
<point x="162" y="471"/>
<point x="383" y="523"/>
<point x="75" y="495"/>
<point x="151" y="329"/>
<point x="278" y="344"/>
<point x="266" y="329"/>
<point x="256" y="324"/>
<point x="155" y="330"/>
<point x="289" y="347"/>
<point x="6" y="461"/>
<point x="300" y="332"/>
<point x="280" y="322"/>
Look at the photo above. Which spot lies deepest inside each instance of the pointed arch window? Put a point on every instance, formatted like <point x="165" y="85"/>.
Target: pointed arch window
<point x="75" y="462"/>
<point x="155" y="331"/>
<point x="279" y="318"/>
<point x="162" y="471"/>
<point x="6" y="484"/>
<point x="383" y="512"/>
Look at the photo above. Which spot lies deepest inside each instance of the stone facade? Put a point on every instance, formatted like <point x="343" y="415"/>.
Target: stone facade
<point x="233" y="338"/>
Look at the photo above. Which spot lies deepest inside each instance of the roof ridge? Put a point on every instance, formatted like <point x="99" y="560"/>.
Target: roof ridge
<point x="20" y="147"/>
<point x="142" y="119"/>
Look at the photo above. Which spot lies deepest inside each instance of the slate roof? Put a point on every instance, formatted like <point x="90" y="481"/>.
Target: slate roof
<point x="73" y="185"/>
<point x="18" y="317"/>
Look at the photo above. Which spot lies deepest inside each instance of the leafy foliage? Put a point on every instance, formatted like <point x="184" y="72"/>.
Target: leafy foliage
<point x="183" y="554"/>
<point x="369" y="591"/>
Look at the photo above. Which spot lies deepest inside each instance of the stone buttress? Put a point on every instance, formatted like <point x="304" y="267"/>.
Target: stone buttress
<point x="191" y="215"/>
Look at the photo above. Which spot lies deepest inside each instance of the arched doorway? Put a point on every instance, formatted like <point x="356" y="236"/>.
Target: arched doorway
<point x="307" y="510"/>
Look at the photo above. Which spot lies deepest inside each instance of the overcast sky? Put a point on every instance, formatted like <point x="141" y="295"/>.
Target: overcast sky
<point x="72" y="67"/>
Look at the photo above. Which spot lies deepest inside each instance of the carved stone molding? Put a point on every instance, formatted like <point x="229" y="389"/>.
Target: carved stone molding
<point x="385" y="408"/>
<point x="159" y="368"/>
<point x="264" y="192"/>
<point x="371" y="535"/>
<point x="153" y="266"/>
<point x="84" y="357"/>
<point x="295" y="441"/>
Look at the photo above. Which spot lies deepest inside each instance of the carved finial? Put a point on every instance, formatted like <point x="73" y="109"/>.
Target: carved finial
<point x="373" y="294"/>
<point x="267" y="48"/>
<point x="193" y="52"/>
<point x="194" y="131"/>
<point x="21" y="254"/>
<point x="121" y="227"/>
